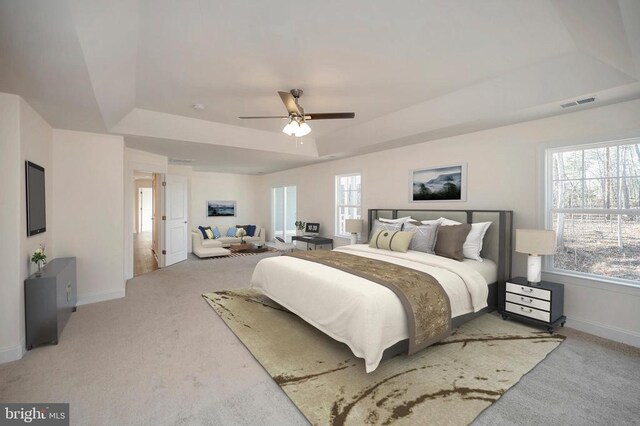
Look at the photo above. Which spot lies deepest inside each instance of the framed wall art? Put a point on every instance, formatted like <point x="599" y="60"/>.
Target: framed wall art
<point x="221" y="208"/>
<point x="439" y="184"/>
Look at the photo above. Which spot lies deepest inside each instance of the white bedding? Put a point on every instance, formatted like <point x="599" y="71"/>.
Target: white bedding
<point x="366" y="316"/>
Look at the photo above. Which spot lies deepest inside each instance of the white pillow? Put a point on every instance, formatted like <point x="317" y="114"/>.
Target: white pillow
<point x="399" y="220"/>
<point x="473" y="244"/>
<point x="433" y="222"/>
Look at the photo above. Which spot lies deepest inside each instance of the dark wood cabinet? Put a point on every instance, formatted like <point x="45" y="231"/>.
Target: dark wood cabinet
<point x="540" y="304"/>
<point x="49" y="300"/>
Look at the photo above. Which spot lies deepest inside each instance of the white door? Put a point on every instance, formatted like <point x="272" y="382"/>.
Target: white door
<point x="176" y="243"/>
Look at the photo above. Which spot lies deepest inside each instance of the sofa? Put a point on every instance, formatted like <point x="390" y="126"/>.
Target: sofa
<point x="219" y="246"/>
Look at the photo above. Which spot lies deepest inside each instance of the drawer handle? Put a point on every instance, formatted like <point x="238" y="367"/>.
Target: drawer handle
<point x="529" y="310"/>
<point x="530" y="290"/>
<point x="526" y="301"/>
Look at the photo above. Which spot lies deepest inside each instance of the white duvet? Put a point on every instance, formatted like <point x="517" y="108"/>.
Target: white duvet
<point x="366" y="316"/>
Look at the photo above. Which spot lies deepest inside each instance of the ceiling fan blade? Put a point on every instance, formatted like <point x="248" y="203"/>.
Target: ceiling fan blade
<point x="264" y="116"/>
<point x="290" y="103"/>
<point x="329" y="115"/>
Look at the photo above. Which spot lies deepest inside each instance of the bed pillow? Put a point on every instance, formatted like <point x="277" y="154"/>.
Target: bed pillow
<point x="473" y="244"/>
<point x="391" y="240"/>
<point x="231" y="232"/>
<point x="435" y="222"/>
<point x="394" y="226"/>
<point x="251" y="230"/>
<point x="216" y="233"/>
<point x="424" y="237"/>
<point x="399" y="220"/>
<point x="450" y="241"/>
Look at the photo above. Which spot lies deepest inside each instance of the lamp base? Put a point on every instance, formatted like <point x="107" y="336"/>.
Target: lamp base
<point x="354" y="238"/>
<point x="534" y="269"/>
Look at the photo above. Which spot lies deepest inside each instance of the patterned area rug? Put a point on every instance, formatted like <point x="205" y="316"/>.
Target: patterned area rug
<point x="241" y="254"/>
<point x="448" y="383"/>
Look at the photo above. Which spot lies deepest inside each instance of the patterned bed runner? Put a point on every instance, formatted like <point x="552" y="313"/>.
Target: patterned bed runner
<point x="424" y="300"/>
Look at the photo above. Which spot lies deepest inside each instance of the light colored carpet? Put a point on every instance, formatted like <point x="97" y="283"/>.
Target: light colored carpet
<point x="160" y="357"/>
<point x="450" y="382"/>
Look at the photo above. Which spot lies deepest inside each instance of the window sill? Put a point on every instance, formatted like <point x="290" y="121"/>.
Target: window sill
<point x="584" y="280"/>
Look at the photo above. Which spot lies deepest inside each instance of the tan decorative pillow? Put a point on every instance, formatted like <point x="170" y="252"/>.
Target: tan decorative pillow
<point x="391" y="240"/>
<point x="450" y="241"/>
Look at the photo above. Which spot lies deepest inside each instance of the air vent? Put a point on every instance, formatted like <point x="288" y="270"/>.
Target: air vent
<point x="586" y="100"/>
<point x="579" y="102"/>
<point x="180" y="160"/>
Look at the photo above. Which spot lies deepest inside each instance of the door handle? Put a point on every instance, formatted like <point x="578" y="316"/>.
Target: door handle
<point x="185" y="221"/>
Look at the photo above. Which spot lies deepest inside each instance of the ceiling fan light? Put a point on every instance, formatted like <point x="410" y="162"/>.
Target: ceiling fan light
<point x="291" y="128"/>
<point x="302" y="130"/>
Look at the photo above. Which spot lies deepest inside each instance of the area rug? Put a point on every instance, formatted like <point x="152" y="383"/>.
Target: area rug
<point x="449" y="383"/>
<point x="241" y="254"/>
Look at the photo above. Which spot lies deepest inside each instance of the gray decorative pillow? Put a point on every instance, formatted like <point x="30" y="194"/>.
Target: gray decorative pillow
<point x="450" y="241"/>
<point x="424" y="237"/>
<point x="396" y="226"/>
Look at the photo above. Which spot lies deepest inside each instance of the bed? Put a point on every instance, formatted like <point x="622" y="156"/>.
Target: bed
<point x="370" y="318"/>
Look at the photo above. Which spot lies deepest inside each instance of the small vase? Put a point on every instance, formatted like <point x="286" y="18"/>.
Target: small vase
<point x="39" y="269"/>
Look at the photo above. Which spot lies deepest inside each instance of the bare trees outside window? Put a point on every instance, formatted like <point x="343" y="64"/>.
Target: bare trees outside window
<point x="593" y="204"/>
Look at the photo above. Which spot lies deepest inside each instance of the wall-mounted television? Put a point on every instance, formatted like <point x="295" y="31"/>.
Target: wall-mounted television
<point x="36" y="207"/>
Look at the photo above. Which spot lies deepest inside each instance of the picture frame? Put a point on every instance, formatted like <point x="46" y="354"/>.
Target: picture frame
<point x="438" y="184"/>
<point x="221" y="208"/>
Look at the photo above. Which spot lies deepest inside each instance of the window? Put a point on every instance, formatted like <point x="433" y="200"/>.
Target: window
<point x="593" y="204"/>
<point x="348" y="200"/>
<point x="283" y="211"/>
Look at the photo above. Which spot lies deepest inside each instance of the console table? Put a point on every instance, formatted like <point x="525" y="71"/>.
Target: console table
<point x="49" y="299"/>
<point x="316" y="241"/>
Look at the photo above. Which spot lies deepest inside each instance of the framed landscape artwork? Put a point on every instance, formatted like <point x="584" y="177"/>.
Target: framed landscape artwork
<point x="221" y="208"/>
<point x="444" y="183"/>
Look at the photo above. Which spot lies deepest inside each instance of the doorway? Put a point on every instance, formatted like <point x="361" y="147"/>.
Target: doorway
<point x="284" y="211"/>
<point x="144" y="235"/>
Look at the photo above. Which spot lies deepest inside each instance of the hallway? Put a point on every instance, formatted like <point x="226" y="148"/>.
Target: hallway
<point x="143" y="259"/>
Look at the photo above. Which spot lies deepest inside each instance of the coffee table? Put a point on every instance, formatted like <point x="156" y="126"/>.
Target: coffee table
<point x="248" y="248"/>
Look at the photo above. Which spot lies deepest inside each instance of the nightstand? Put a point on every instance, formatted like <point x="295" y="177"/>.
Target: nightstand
<point x="541" y="305"/>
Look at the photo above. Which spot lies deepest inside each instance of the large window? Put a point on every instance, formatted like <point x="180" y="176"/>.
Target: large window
<point x="593" y="204"/>
<point x="283" y="211"/>
<point x="348" y="200"/>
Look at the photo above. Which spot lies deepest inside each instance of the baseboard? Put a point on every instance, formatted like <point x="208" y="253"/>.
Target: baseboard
<point x="608" y="332"/>
<point x="11" y="354"/>
<point x="86" y="299"/>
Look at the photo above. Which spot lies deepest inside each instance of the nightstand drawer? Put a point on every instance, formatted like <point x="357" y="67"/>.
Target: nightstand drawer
<point x="528" y="301"/>
<point x="528" y="312"/>
<point x="538" y="293"/>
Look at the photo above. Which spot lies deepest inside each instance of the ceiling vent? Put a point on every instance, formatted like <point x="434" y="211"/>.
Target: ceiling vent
<point x="578" y="102"/>
<point x="180" y="160"/>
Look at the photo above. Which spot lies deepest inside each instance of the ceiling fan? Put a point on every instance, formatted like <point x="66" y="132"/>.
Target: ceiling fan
<point x="297" y="124"/>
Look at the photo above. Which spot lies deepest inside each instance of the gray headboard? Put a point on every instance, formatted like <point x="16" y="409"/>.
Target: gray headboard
<point x="497" y="241"/>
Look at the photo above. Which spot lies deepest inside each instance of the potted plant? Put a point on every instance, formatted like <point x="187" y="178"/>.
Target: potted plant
<point x="299" y="226"/>
<point x="39" y="258"/>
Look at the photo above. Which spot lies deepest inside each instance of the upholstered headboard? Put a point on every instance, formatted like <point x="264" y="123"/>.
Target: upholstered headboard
<point x="497" y="241"/>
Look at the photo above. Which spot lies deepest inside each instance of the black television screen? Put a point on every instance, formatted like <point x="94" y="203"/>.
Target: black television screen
<point x="36" y="208"/>
<point x="312" y="228"/>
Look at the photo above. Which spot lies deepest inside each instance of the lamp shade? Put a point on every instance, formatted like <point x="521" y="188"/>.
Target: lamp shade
<point x="353" y="226"/>
<point x="535" y="241"/>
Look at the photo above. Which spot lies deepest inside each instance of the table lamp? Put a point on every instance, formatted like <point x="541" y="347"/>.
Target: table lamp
<point x="535" y="242"/>
<point x="354" y="227"/>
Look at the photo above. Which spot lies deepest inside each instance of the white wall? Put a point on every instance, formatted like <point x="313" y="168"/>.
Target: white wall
<point x="503" y="173"/>
<point x="10" y="232"/>
<point x="222" y="186"/>
<point x="25" y="136"/>
<point x="207" y="186"/>
<point x="88" y="201"/>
